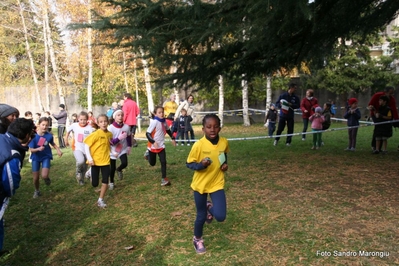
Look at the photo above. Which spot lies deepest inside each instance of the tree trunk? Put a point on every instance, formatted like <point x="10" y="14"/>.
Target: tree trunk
<point x="28" y="51"/>
<point x="90" y="63"/>
<point x="125" y="74"/>
<point x="52" y="55"/>
<point x="46" y="62"/>
<point x="245" y="116"/>
<point x="221" y="99"/>
<point x="147" y="80"/>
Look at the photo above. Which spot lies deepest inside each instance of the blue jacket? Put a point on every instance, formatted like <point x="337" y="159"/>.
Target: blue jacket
<point x="352" y="117"/>
<point x="10" y="166"/>
<point x="293" y="99"/>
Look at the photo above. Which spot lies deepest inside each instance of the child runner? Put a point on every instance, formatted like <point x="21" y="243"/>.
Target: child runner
<point x="317" y="120"/>
<point x="97" y="149"/>
<point x="42" y="155"/>
<point x="121" y="145"/>
<point x="156" y="142"/>
<point x="383" y="131"/>
<point x="208" y="159"/>
<point x="80" y="130"/>
<point x="353" y="116"/>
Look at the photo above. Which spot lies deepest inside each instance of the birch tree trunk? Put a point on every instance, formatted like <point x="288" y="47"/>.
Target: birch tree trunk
<point x="28" y="51"/>
<point x="46" y="62"/>
<point x="90" y="62"/>
<point x="147" y="80"/>
<point x="137" y="94"/>
<point x="125" y="74"/>
<point x="245" y="116"/>
<point x="221" y="99"/>
<point x="50" y="44"/>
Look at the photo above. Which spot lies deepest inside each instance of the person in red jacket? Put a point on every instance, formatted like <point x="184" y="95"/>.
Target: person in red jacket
<point x="308" y="105"/>
<point x="374" y="105"/>
<point x="130" y="110"/>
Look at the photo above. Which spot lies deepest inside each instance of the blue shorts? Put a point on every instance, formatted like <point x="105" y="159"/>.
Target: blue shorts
<point x="36" y="165"/>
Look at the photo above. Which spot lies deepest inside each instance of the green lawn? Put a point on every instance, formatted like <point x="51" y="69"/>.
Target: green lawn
<point x="286" y="206"/>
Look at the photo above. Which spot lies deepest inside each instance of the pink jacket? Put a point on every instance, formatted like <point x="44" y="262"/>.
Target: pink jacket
<point x="317" y="122"/>
<point x="130" y="111"/>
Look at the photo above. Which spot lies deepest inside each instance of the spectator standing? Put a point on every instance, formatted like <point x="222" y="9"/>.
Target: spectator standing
<point x="287" y="102"/>
<point x="271" y="119"/>
<point x="374" y="105"/>
<point x="352" y="115"/>
<point x="130" y="112"/>
<point x="7" y="115"/>
<point x="317" y="120"/>
<point x="189" y="107"/>
<point x="382" y="132"/>
<point x="308" y="105"/>
<point x="111" y="110"/>
<point x="61" y="118"/>
<point x="170" y="108"/>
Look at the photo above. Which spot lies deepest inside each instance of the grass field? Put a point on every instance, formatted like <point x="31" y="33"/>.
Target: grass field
<point x="286" y="206"/>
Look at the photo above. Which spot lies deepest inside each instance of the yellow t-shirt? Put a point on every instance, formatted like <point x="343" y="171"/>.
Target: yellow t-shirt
<point x="210" y="179"/>
<point x="169" y="107"/>
<point x="100" y="146"/>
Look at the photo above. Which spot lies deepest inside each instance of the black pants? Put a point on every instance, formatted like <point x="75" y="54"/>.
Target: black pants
<point x="152" y="159"/>
<point x="61" y="131"/>
<point x="95" y="174"/>
<point x="290" y="127"/>
<point x="123" y="165"/>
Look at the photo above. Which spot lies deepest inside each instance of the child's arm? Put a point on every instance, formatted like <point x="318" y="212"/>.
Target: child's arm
<point x="59" y="152"/>
<point x="33" y="150"/>
<point x="199" y="166"/>
<point x="88" y="154"/>
<point x="171" y="136"/>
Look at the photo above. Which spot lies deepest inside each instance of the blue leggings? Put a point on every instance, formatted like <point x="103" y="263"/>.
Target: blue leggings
<point x="218" y="210"/>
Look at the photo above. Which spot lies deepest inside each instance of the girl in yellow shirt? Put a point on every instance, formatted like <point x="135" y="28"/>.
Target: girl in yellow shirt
<point x="208" y="159"/>
<point x="98" y="149"/>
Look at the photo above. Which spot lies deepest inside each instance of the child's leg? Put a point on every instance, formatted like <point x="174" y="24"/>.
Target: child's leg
<point x="152" y="158"/>
<point x="378" y="145"/>
<point x="354" y="136"/>
<point x="123" y="165"/>
<point x="314" y="138"/>
<point x="177" y="136"/>
<point x="35" y="172"/>
<point x="80" y="164"/>
<point x="186" y="137"/>
<point x="384" y="144"/>
<point x="95" y="175"/>
<point x="200" y="204"/>
<point x="318" y="139"/>
<point x="350" y="138"/>
<point x="105" y="172"/>
<point x="162" y="159"/>
<point x="219" y="208"/>
<point x="112" y="171"/>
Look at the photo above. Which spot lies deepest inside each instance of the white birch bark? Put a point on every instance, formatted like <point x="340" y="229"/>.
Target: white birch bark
<point x="221" y="99"/>
<point x="245" y="116"/>
<point x="28" y="51"/>
<point x="147" y="80"/>
<point x="53" y="58"/>
<point x="90" y="62"/>
<point x="46" y="62"/>
<point x="268" y="92"/>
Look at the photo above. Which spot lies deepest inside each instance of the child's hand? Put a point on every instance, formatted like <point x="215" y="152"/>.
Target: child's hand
<point x="224" y="167"/>
<point x="40" y="148"/>
<point x="59" y="153"/>
<point x="91" y="163"/>
<point x="206" y="162"/>
<point x="122" y="136"/>
<point x="174" y="142"/>
<point x="156" y="146"/>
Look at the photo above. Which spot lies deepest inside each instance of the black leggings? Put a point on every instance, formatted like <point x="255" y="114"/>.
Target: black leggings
<point x="95" y="174"/>
<point x="152" y="159"/>
<point x="123" y="165"/>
